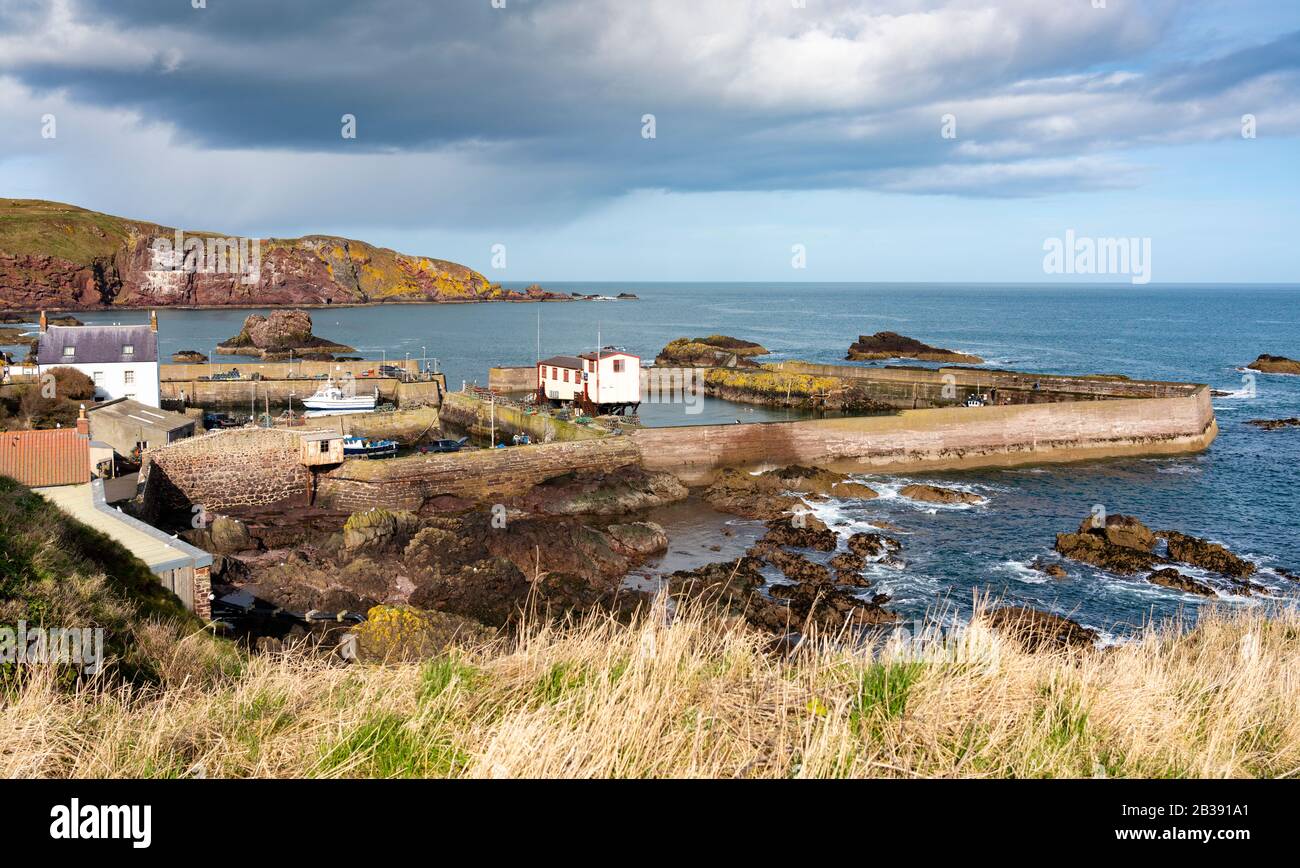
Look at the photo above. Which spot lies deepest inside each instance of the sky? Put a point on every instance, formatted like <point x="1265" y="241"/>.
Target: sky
<point x="680" y="140"/>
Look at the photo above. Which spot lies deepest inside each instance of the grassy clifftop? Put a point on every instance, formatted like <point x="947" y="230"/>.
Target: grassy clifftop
<point x="34" y="227"/>
<point x="57" y="572"/>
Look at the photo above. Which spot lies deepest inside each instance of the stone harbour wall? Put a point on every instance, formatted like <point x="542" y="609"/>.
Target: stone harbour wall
<point x="941" y="438"/>
<point x="224" y="470"/>
<point x="483" y="474"/>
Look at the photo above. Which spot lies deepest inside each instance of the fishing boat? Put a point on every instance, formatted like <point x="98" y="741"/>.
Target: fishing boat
<point x="335" y="399"/>
<point x="361" y="447"/>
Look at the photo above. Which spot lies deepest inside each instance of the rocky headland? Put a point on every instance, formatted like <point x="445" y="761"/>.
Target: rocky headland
<point x="280" y="335"/>
<point x="1275" y="365"/>
<point x="891" y="345"/>
<point x="60" y="257"/>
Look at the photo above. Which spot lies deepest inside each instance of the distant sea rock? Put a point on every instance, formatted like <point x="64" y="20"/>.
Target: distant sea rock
<point x="278" y="336"/>
<point x="1275" y="365"/>
<point x="189" y="357"/>
<point x="1274" y="424"/>
<point x="891" y="345"/>
<point x="714" y="351"/>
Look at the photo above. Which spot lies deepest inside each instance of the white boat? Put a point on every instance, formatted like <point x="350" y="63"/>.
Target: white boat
<point x="334" y="398"/>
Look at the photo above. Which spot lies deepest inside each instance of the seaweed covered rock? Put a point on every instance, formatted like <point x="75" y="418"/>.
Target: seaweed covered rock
<point x="638" y="539"/>
<point x="938" y="494"/>
<point x="1119" y="544"/>
<point x="1171" y="578"/>
<point x="1206" y="555"/>
<point x="708" y="352"/>
<point x="801" y="530"/>
<point x="379" y="530"/>
<point x="401" y="634"/>
<point x="627" y="489"/>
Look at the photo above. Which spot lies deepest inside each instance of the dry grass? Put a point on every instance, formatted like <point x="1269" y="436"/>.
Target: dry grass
<point x="697" y="696"/>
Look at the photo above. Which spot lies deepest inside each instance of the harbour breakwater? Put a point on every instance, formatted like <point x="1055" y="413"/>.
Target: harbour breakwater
<point x="1116" y="418"/>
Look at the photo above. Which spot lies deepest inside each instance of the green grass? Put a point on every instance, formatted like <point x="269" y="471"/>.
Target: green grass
<point x="882" y="694"/>
<point x="387" y="746"/>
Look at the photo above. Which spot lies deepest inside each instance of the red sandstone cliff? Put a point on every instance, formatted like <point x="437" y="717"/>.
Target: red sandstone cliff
<point x="55" y="256"/>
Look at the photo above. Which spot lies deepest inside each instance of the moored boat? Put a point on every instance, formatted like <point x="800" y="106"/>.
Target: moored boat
<point x="333" y="397"/>
<point x="361" y="447"/>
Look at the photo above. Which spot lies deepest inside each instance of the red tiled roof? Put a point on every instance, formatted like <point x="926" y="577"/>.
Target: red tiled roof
<point x="60" y="456"/>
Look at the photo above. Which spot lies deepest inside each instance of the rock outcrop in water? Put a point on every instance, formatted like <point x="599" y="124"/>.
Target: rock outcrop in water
<point x="1275" y="365"/>
<point x="1275" y="424"/>
<point x="55" y="256"/>
<point x="892" y="345"/>
<point x="1121" y="544"/>
<point x="936" y="494"/>
<point x="773" y="493"/>
<point x="1124" y="545"/>
<point x="1206" y="555"/>
<point x="281" y="335"/>
<point x="714" y="351"/>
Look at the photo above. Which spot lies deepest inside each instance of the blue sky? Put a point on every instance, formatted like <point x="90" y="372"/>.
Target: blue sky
<point x="774" y="127"/>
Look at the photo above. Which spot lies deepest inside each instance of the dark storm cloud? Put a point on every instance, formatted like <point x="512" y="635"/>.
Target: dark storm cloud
<point x="756" y="100"/>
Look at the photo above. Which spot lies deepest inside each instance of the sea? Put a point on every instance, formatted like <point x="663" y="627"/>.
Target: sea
<point x="1241" y="492"/>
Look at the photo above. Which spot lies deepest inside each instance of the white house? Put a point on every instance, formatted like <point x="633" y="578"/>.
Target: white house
<point x="121" y="359"/>
<point x="608" y="381"/>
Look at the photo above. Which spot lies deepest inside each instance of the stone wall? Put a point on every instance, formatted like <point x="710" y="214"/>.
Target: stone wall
<point x="410" y="483"/>
<point x="942" y="438"/>
<point x="471" y="413"/>
<point x="224" y="470"/>
<point x="275" y="370"/>
<point x="911" y="387"/>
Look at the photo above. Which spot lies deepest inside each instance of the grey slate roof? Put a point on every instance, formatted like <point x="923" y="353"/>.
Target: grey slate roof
<point x="563" y="362"/>
<point x="142" y="415"/>
<point x="97" y="344"/>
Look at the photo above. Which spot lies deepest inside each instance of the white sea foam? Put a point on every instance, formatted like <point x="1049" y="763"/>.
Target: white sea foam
<point x="1023" y="572"/>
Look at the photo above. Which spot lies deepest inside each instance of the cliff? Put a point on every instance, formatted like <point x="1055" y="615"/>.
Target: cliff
<point x="55" y="256"/>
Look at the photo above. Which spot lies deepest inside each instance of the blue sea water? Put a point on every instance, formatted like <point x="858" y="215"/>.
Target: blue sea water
<point x="1241" y="492"/>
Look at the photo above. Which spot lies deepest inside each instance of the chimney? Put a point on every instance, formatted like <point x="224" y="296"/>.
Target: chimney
<point x="45" y="323"/>
<point x="153" y="321"/>
<point x="83" y="424"/>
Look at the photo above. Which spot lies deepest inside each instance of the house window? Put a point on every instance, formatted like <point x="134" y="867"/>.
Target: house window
<point x="566" y="375"/>
<point x="554" y="376"/>
<point x="128" y="377"/>
<point x="128" y="349"/>
<point x="68" y="352"/>
<point x="591" y="366"/>
<point x="98" y="377"/>
<point x="618" y="366"/>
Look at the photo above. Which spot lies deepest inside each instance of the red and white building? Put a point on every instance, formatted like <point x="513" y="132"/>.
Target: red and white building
<point x="608" y="381"/>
